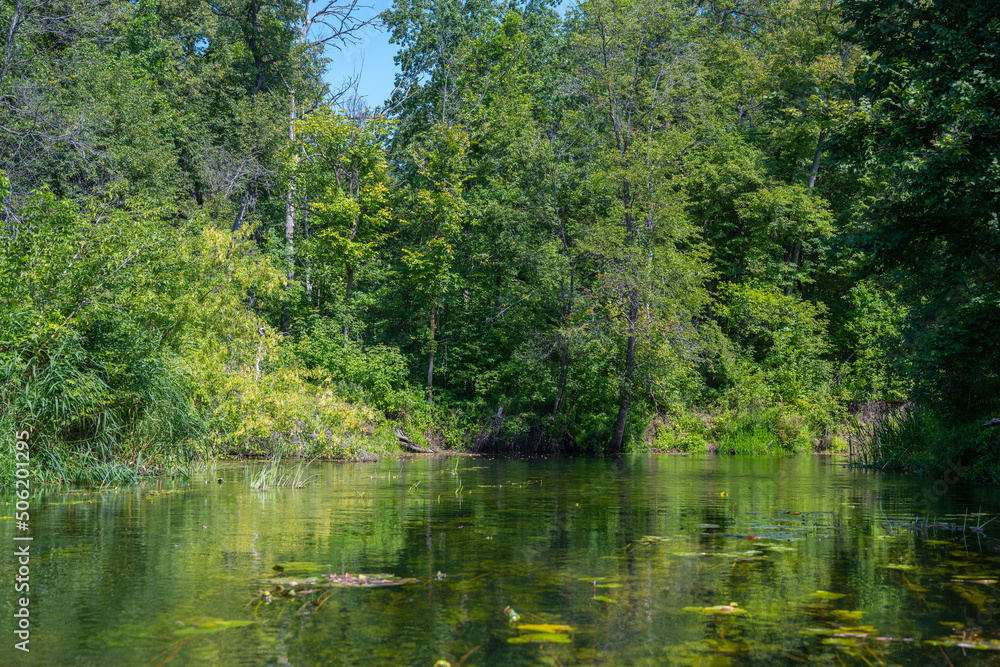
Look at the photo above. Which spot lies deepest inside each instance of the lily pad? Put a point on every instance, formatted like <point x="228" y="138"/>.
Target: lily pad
<point x="606" y="600"/>
<point x="298" y="566"/>
<point x="974" y="643"/>
<point x="970" y="580"/>
<point x="854" y="631"/>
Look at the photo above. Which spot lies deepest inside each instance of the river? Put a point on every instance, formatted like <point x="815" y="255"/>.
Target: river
<point x="682" y="560"/>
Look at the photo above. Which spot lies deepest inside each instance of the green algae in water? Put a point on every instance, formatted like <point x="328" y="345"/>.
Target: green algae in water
<point x="206" y="625"/>
<point x="826" y="595"/>
<point x="731" y="609"/>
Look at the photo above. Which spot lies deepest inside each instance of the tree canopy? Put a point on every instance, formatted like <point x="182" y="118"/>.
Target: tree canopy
<point x="632" y="225"/>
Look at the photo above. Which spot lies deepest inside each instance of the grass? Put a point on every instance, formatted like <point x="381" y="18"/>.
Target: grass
<point x="86" y="432"/>
<point x="918" y="440"/>
<point x="272" y="475"/>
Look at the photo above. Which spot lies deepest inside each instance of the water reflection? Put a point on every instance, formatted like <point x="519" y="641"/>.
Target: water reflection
<point x="662" y="560"/>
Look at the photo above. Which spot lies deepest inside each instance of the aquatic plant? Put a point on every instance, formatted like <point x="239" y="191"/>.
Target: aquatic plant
<point x="272" y="475"/>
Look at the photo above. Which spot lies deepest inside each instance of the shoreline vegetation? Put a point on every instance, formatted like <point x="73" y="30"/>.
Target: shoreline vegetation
<point x="635" y="226"/>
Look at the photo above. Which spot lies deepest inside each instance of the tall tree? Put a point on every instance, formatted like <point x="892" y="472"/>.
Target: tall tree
<point x="641" y="70"/>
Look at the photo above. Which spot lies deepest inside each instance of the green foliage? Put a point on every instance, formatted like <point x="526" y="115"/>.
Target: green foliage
<point x="783" y="335"/>
<point x="931" y="85"/>
<point x="772" y="430"/>
<point x="641" y="225"/>
<point x="874" y="325"/>
<point x="919" y="440"/>
<point x="376" y="375"/>
<point x="682" y="429"/>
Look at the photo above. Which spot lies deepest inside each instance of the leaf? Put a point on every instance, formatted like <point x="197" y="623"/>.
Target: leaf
<point x="727" y="609"/>
<point x="298" y="566"/>
<point x="545" y="627"/>
<point x="550" y="637"/>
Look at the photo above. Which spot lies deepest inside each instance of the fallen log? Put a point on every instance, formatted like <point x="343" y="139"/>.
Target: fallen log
<point x="408" y="444"/>
<point x="992" y="422"/>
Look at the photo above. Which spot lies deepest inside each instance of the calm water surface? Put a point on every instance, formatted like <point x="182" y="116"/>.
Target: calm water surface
<point x="650" y="560"/>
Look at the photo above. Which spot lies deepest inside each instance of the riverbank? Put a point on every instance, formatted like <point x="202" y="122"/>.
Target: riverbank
<point x="295" y="420"/>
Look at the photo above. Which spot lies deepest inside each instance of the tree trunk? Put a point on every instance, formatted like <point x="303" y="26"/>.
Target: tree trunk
<point x="632" y="294"/>
<point x="625" y="397"/>
<point x="355" y="191"/>
<point x="563" y="368"/>
<point x="430" y="363"/>
<point x="564" y="350"/>
<point x="305" y="235"/>
<point x="289" y="232"/>
<point x="568" y="307"/>
<point x="347" y="299"/>
<point x="795" y="253"/>
<point x="814" y="170"/>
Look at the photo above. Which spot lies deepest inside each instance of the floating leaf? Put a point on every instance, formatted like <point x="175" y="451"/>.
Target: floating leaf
<point x="606" y="600"/>
<point x="550" y="637"/>
<point x="729" y="609"/>
<point x="842" y="641"/>
<point x="714" y="646"/>
<point x="298" y="566"/>
<point x="900" y="566"/>
<point x="980" y="644"/>
<point x="545" y="627"/>
<point x="855" y="631"/>
<point x="608" y="585"/>
<point x="970" y="580"/>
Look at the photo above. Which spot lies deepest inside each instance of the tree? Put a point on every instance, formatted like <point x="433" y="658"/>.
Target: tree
<point x="931" y="164"/>
<point x="436" y="218"/>
<point x="343" y="174"/>
<point x="640" y="68"/>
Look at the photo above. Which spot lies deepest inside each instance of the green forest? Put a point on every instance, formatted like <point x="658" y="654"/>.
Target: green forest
<point x="751" y="226"/>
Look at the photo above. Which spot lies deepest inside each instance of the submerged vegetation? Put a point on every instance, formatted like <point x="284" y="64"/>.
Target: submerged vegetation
<point x="631" y="226"/>
<point x="724" y="560"/>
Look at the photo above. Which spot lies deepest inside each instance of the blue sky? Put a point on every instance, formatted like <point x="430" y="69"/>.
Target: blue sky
<point x="371" y="57"/>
